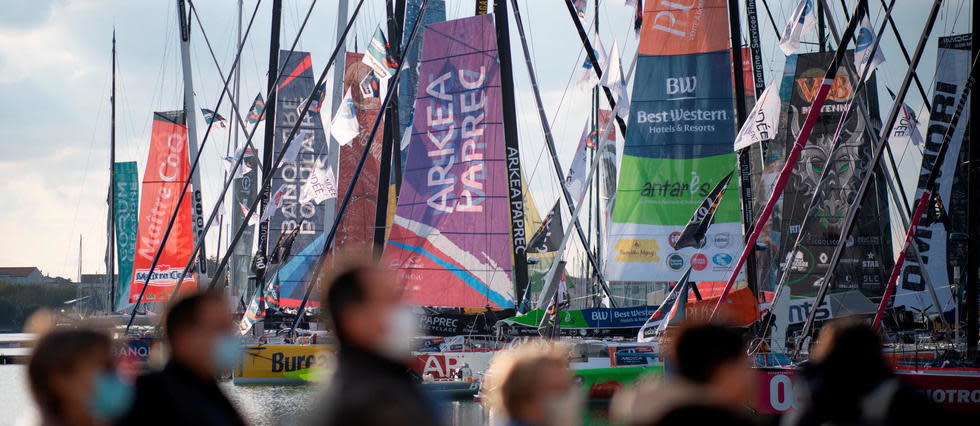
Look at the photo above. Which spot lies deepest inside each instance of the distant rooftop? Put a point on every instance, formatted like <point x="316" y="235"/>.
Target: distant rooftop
<point x="17" y="271"/>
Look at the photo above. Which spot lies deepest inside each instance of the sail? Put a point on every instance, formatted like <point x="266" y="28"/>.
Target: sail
<point x="356" y="229"/>
<point x="243" y="194"/>
<point x="167" y="169"/>
<point x="679" y="146"/>
<point x="435" y="11"/>
<point x="125" y="204"/>
<point x="450" y="240"/>
<point x="867" y="257"/>
<point x="309" y="146"/>
<point x="943" y="246"/>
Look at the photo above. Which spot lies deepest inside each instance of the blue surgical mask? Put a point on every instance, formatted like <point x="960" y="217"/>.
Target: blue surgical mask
<point x="111" y="398"/>
<point x="227" y="352"/>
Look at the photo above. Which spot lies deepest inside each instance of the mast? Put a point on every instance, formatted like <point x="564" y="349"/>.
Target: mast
<point x="333" y="152"/>
<point x="390" y="137"/>
<point x="596" y="156"/>
<point x="197" y="203"/>
<point x="744" y="159"/>
<point x="236" y="281"/>
<point x="110" y="266"/>
<point x="514" y="180"/>
<point x="270" y="132"/>
<point x="973" y="259"/>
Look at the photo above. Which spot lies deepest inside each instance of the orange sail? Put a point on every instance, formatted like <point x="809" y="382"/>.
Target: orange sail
<point x="167" y="169"/>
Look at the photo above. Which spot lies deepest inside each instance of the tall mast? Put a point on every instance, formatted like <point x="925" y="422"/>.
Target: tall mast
<point x="973" y="259"/>
<point x="270" y="132"/>
<point x="514" y="180"/>
<point x="197" y="203"/>
<point x="389" y="139"/>
<point x="235" y="286"/>
<point x="340" y="66"/>
<point x="110" y="266"/>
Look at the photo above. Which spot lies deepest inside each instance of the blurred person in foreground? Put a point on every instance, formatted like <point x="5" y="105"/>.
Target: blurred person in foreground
<point x="711" y="385"/>
<point x="202" y="343"/>
<point x="371" y="384"/>
<point x="531" y="385"/>
<point x="73" y="379"/>
<point x="848" y="381"/>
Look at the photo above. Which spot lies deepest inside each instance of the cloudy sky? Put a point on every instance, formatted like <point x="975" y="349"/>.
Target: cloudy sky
<point x="55" y="74"/>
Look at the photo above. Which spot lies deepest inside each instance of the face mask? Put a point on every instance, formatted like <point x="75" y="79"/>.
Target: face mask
<point x="565" y="408"/>
<point x="402" y="326"/>
<point x="227" y="352"/>
<point x="111" y="398"/>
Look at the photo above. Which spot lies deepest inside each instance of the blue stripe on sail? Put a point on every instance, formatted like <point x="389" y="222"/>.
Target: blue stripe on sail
<point x="468" y="278"/>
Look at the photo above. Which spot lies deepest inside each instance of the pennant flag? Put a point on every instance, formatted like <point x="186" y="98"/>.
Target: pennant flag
<point x="907" y="126"/>
<point x="864" y="40"/>
<point x="211" y="116"/>
<point x="575" y="178"/>
<point x="580" y="7"/>
<point x="275" y="203"/>
<point x="370" y="86"/>
<point x="671" y="311"/>
<point x="694" y="231"/>
<point x="243" y="169"/>
<point x="548" y="237"/>
<point x="588" y="77"/>
<point x="638" y="14"/>
<point x="406" y="137"/>
<point x="253" y="220"/>
<point x="801" y="22"/>
<point x="763" y="120"/>
<point x="292" y="152"/>
<point x="319" y="187"/>
<point x="257" y="112"/>
<point x="549" y="324"/>
<point x="318" y="96"/>
<point x="378" y="56"/>
<point x="344" y="126"/>
<point x="613" y="78"/>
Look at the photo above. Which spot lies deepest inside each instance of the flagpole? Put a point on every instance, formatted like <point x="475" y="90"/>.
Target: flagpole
<point x="111" y="245"/>
<point x="882" y="142"/>
<point x="791" y="160"/>
<point x="553" y="153"/>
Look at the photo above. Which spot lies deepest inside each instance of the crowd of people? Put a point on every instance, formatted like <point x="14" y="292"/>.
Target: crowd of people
<point x="74" y="378"/>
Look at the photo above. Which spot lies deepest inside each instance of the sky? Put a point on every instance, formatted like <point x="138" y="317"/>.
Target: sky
<point x="55" y="75"/>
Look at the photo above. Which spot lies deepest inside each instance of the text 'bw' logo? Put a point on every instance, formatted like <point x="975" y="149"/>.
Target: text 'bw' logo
<point x="681" y="85"/>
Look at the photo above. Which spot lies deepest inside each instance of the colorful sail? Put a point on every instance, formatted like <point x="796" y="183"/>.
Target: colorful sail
<point x="125" y="204"/>
<point x="678" y="148"/>
<point x="356" y="229"/>
<point x="167" y="169"/>
<point x="945" y="256"/>
<point x="450" y="240"/>
<point x="867" y="258"/>
<point x="310" y="143"/>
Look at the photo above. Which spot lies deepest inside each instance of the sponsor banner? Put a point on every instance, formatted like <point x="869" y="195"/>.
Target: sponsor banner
<point x="243" y="193"/>
<point x="620" y="356"/>
<point x="777" y="390"/>
<point x="679" y="147"/>
<point x="125" y="203"/>
<point x="167" y="169"/>
<point x="281" y="361"/>
<point x="943" y="246"/>
<point x="444" y="366"/>
<point x="356" y="228"/>
<point x="633" y="317"/>
<point x="454" y="324"/>
<point x="310" y="148"/>
<point x="451" y="236"/>
<point x="867" y="255"/>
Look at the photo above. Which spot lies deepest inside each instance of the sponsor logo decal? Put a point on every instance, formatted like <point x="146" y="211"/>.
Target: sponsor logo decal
<point x="675" y="261"/>
<point x="699" y="261"/>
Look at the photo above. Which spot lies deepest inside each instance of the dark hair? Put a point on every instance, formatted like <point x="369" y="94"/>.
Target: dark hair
<point x="700" y="350"/>
<point x="852" y="349"/>
<point x="344" y="289"/>
<point x="184" y="313"/>
<point x="60" y="352"/>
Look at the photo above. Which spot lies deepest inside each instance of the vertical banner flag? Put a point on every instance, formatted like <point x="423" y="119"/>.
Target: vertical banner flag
<point x="587" y="75"/>
<point x="548" y="237"/>
<point x="907" y="126"/>
<point x="450" y="240"/>
<point x="763" y="120"/>
<point x="944" y="255"/>
<point x="678" y="148"/>
<point x="244" y="192"/>
<point x="167" y="169"/>
<point x="864" y="40"/>
<point x="356" y="228"/>
<point x="257" y="112"/>
<point x="310" y="143"/>
<point x="801" y="22"/>
<point x="378" y="56"/>
<point x="658" y="321"/>
<point x="344" y="126"/>
<point x="614" y="79"/>
<point x="125" y="204"/>
<point x="867" y="256"/>
<point x="575" y="178"/>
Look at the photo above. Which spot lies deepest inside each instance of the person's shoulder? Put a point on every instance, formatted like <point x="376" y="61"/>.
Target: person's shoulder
<point x="698" y="414"/>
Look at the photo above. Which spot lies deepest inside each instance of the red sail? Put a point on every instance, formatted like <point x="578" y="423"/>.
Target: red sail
<point x="167" y="169"/>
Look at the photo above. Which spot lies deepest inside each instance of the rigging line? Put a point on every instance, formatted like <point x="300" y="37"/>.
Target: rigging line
<point x="775" y="28"/>
<point x="360" y="163"/>
<point x="239" y="159"/>
<point x="549" y="140"/>
<point x="596" y="66"/>
<point x="184" y="189"/>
